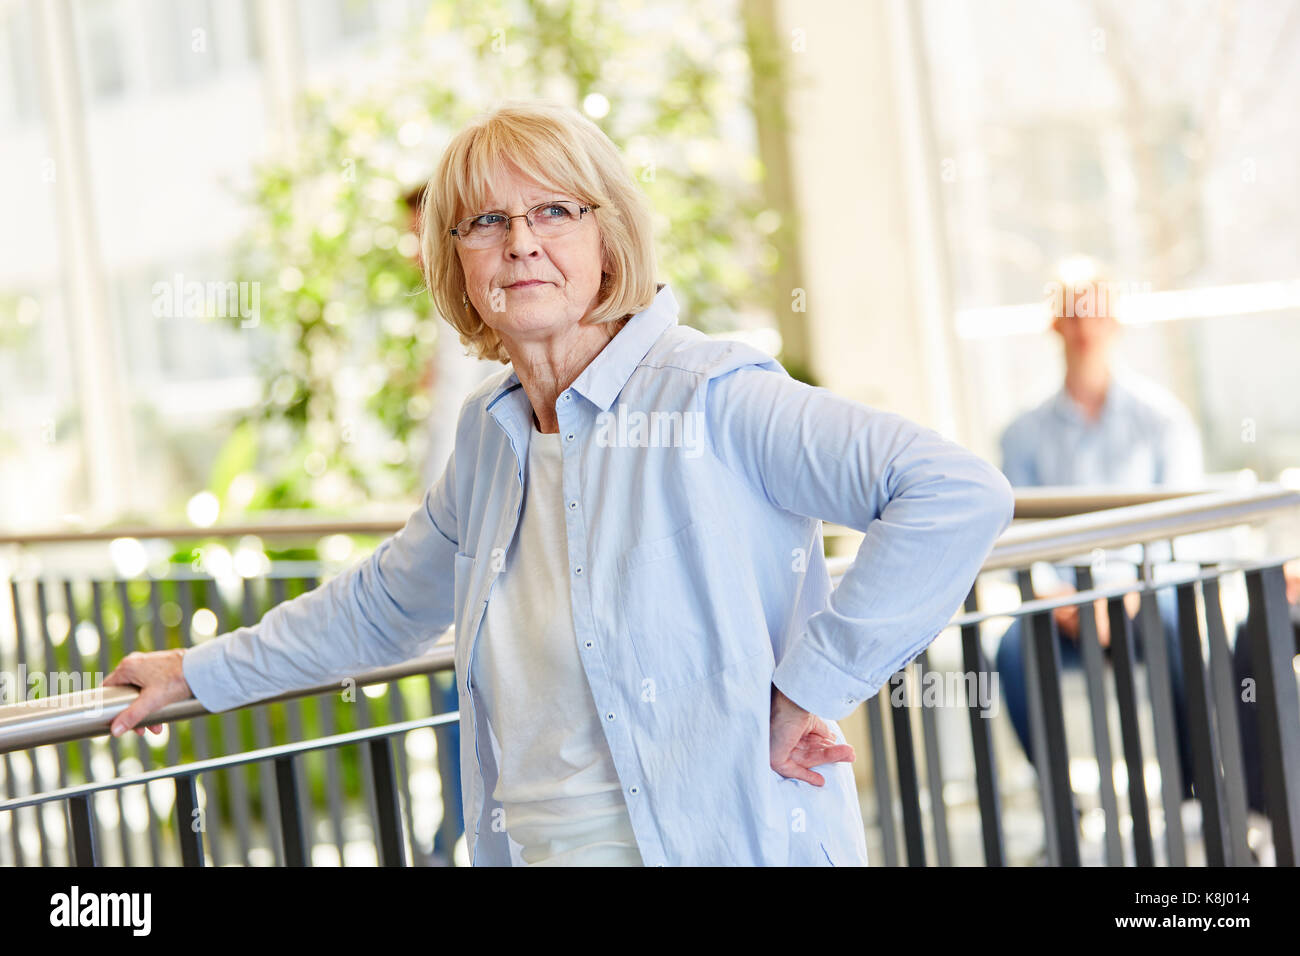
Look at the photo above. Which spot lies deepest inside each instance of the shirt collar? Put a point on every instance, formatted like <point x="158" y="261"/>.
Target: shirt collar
<point x="606" y="374"/>
<point x="1068" y="408"/>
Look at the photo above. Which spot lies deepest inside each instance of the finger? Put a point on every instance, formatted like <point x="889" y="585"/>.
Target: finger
<point x="156" y="728"/>
<point x="815" y="756"/>
<point x="128" y="718"/>
<point x="796" y="772"/>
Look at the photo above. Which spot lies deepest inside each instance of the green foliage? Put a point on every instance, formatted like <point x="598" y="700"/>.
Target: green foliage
<point x="346" y="330"/>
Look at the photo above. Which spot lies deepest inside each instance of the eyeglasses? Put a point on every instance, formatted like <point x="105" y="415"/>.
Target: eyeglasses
<point x="547" y="219"/>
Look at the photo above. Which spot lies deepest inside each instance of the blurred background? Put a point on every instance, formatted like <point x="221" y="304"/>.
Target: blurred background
<point x="211" y="313"/>
<point x="209" y="305"/>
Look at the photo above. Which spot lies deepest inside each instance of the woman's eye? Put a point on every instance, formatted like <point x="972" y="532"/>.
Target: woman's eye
<point x="555" y="212"/>
<point x="487" y="219"/>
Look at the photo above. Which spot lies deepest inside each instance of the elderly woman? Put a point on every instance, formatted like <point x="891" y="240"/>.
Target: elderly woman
<point x="628" y="540"/>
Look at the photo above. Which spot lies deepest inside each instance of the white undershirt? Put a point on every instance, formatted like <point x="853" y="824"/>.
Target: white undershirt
<point x="563" y="802"/>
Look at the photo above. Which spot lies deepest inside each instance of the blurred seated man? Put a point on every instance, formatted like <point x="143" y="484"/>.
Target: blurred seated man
<point x="1106" y="425"/>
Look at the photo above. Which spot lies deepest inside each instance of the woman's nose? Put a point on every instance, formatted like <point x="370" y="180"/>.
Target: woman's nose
<point x="520" y="240"/>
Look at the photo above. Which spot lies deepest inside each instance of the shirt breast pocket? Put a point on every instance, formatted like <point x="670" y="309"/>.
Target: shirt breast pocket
<point x="678" y="597"/>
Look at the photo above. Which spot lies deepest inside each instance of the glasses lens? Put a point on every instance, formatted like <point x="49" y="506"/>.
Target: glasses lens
<point x="555" y="218"/>
<point x="482" y="230"/>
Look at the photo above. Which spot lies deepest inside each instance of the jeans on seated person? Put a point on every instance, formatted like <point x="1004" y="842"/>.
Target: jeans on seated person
<point x="1009" y="664"/>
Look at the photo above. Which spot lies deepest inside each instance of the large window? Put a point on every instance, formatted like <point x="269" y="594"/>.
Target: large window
<point x="1158" y="138"/>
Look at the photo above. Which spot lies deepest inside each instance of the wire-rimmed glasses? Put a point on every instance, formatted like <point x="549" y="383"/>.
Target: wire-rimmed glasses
<point x="546" y="219"/>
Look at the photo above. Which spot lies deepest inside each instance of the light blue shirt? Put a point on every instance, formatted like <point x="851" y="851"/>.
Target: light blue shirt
<point x="1144" y="436"/>
<point x="697" y="581"/>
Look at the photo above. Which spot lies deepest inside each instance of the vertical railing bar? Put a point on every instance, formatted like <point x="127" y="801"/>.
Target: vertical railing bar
<point x="1090" y="648"/>
<point x="934" y="771"/>
<point x="986" y="781"/>
<point x="448" y="770"/>
<point x="81" y="827"/>
<point x="1272" y="644"/>
<point x="142" y="749"/>
<point x="1047" y="729"/>
<point x="1123" y="663"/>
<point x="79" y="668"/>
<point x="905" y="760"/>
<point x="11" y="782"/>
<point x="294" y="851"/>
<point x="160" y="643"/>
<point x="326" y="704"/>
<point x="38" y="780"/>
<point x="880" y="778"/>
<point x="199" y="726"/>
<point x="232" y="739"/>
<point x="262" y="738"/>
<point x="1229" y="733"/>
<point x="293" y="714"/>
<point x="1205" y="751"/>
<point x="191" y="822"/>
<point x="388" y="814"/>
<point x="114" y="745"/>
<point x="52" y="668"/>
<point x="1155" y="654"/>
<point x="397" y="714"/>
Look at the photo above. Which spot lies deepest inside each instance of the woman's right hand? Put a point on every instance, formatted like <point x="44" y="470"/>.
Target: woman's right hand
<point x="161" y="680"/>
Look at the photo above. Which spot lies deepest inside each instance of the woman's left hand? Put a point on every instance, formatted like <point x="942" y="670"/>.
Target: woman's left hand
<point x="801" y="741"/>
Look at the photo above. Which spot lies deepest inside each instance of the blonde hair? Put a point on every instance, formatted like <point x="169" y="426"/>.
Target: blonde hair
<point x="561" y="149"/>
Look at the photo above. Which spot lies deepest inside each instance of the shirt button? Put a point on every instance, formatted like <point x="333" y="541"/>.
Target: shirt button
<point x="573" y="505"/>
<point x="610" y="715"/>
<point x="567" y="396"/>
<point x="578" y="569"/>
<point x="569" y="437"/>
<point x="589" y="643"/>
<point x="634" y="789"/>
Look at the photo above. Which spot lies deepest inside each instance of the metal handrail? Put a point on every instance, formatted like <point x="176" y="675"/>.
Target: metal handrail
<point x="67" y="717"/>
<point x="60" y="718"/>
<point x="1059" y="539"/>
<point x="1031" y="503"/>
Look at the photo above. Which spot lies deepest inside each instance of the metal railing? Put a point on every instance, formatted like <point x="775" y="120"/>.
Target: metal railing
<point x="68" y="722"/>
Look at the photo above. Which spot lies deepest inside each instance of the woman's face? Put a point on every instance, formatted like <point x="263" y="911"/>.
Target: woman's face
<point x="568" y="266"/>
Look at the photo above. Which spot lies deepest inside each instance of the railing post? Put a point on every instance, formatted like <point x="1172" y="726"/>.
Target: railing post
<point x="81" y="825"/>
<point x="1122" y="660"/>
<point x="291" y="828"/>
<point x="189" y="820"/>
<point x="905" y="757"/>
<point x="1205" y="748"/>
<point x="880" y="776"/>
<point x="388" y="820"/>
<point x="1224" y="694"/>
<point x="1090" y="650"/>
<point x="1272" y="643"/>
<point x="981" y="735"/>
<point x="1047" y="730"/>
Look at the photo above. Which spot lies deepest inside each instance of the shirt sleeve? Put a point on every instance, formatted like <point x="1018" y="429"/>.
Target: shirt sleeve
<point x="930" y="511"/>
<point x="378" y="612"/>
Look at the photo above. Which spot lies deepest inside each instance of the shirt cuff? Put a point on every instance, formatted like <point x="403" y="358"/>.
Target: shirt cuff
<point x="817" y="685"/>
<point x="208" y="675"/>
